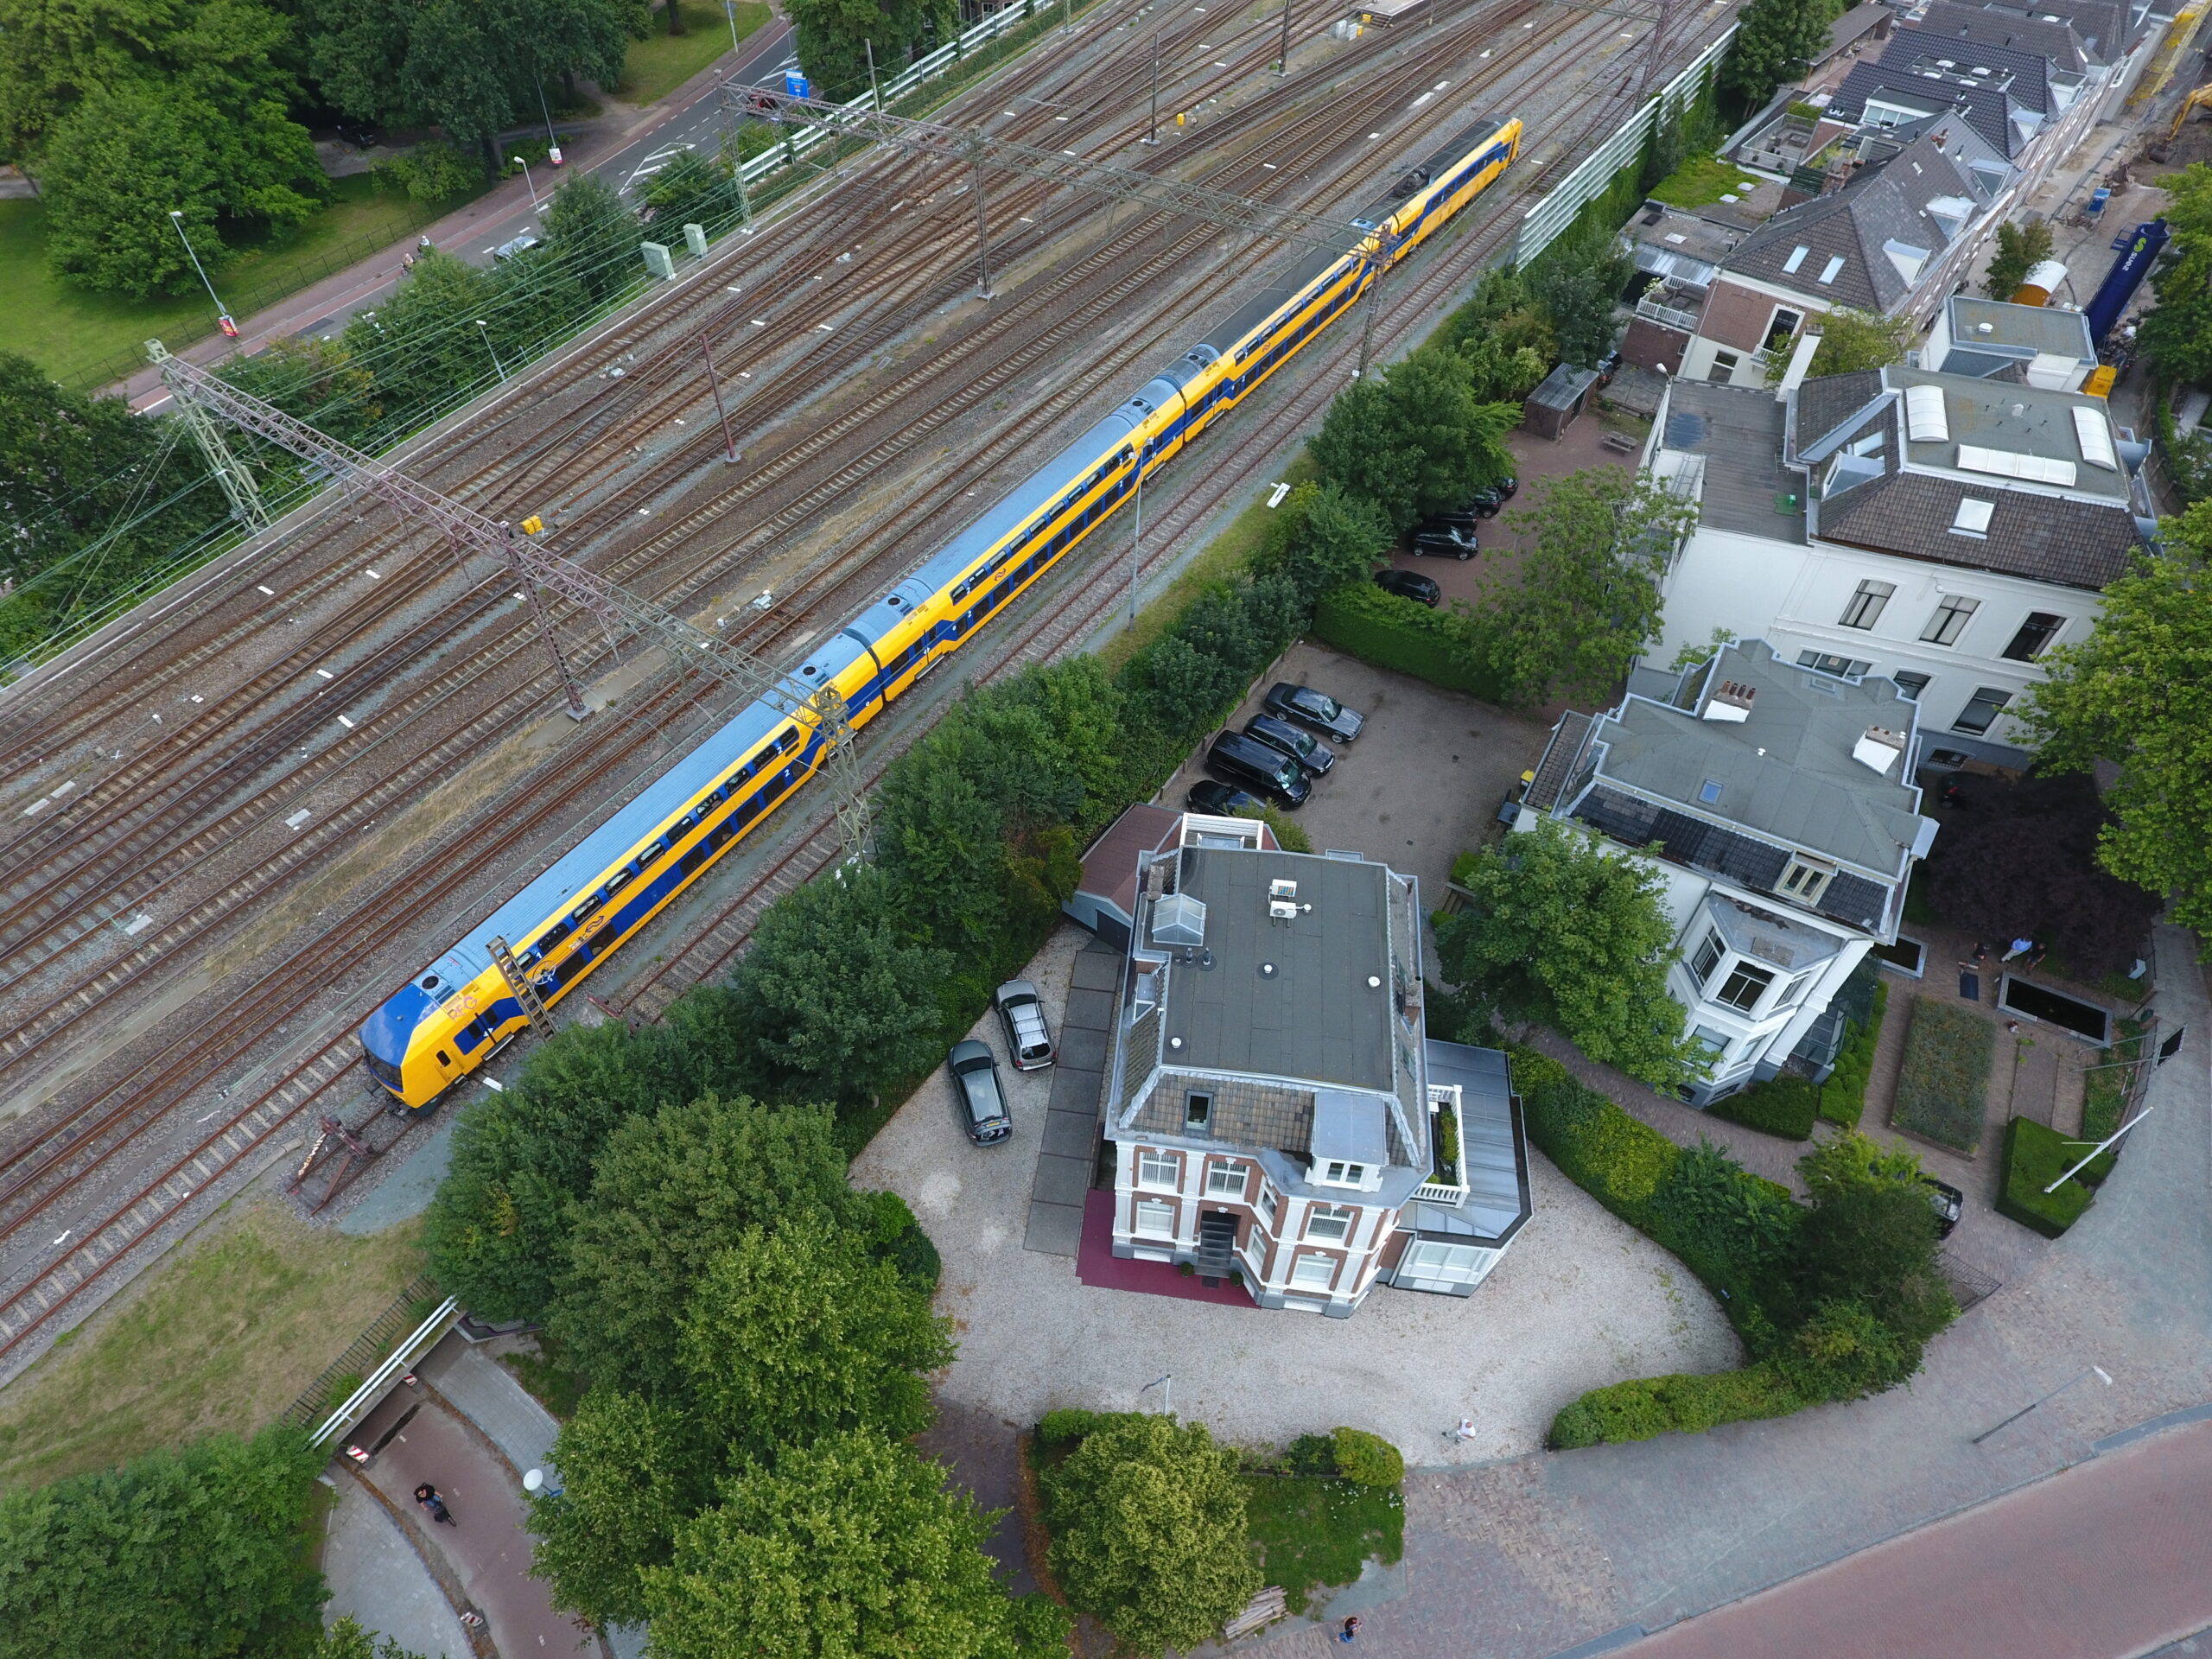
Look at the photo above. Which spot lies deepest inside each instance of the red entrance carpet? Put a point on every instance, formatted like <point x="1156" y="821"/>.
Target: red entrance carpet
<point x="1096" y="1264"/>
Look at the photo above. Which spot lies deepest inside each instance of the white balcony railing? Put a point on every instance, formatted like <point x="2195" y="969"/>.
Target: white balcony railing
<point x="1444" y="1102"/>
<point x="1685" y="321"/>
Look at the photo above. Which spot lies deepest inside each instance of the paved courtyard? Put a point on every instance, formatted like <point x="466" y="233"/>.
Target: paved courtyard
<point x="1580" y="1299"/>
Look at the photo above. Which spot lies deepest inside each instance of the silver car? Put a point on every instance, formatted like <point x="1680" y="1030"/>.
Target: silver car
<point x="975" y="1085"/>
<point x="1023" y="1016"/>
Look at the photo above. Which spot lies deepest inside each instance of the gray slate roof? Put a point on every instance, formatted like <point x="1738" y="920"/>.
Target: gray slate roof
<point x="2068" y="53"/>
<point x="2023" y="73"/>
<point x="1829" y="403"/>
<point x="1786" y="774"/>
<point x="1988" y="109"/>
<point x="2074" y="544"/>
<point x="2103" y="25"/>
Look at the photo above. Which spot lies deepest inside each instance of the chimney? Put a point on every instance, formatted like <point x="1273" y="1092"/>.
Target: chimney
<point x="1880" y="748"/>
<point x="1732" y="701"/>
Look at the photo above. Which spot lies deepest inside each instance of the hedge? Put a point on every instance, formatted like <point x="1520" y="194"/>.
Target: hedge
<point x="1787" y="1105"/>
<point x="2034" y="1157"/>
<point x="1684" y="1402"/>
<point x="1843" y="1097"/>
<point x="1361" y="621"/>
<point x="1944" y="1080"/>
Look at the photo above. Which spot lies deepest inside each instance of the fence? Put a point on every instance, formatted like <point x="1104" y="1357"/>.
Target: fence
<point x="1544" y="223"/>
<point x="362" y="1355"/>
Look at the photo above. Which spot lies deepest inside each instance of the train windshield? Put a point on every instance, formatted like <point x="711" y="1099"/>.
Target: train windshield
<point x="384" y="1072"/>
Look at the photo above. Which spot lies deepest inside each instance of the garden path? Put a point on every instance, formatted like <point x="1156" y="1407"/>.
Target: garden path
<point x="1530" y="1556"/>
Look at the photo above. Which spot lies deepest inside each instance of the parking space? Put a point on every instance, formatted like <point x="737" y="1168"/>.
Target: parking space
<point x="1579" y="1301"/>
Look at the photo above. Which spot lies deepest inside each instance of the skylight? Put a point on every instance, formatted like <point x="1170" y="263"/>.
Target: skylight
<point x="2096" y="438"/>
<point x="2006" y="463"/>
<point x="1924" y="420"/>
<point x="1974" y="516"/>
<point x="1796" y="256"/>
<point x="1828" y="271"/>
<point x="1709" y="791"/>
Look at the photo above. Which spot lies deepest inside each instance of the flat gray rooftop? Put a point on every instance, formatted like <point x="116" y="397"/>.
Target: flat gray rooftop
<point x="1314" y="1016"/>
<point x="2025" y="328"/>
<point x="1738" y="431"/>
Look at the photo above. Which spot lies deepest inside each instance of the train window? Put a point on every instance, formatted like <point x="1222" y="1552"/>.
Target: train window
<point x="620" y="881"/>
<point x="583" y="912"/>
<point x="788" y="741"/>
<point x="445" y="1060"/>
<point x="691" y="860"/>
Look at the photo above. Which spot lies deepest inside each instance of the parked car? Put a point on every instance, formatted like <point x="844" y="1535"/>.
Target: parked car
<point x="1437" y="540"/>
<point x="1300" y="744"/>
<point x="515" y="248"/>
<point x="1948" y="1202"/>
<point x="975" y="1088"/>
<point x="1023" y="1015"/>
<point x="358" y="135"/>
<point x="1486" y="503"/>
<point x="1316" y="711"/>
<point x="1409" y="584"/>
<point x="1222" y="800"/>
<point x="1246" y="761"/>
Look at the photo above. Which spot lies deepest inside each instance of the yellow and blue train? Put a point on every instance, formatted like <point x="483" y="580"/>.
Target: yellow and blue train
<point x="449" y="1019"/>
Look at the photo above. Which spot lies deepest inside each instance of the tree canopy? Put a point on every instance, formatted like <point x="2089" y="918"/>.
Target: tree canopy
<point x="1562" y="931"/>
<point x="850" y="1549"/>
<point x="1851" y="339"/>
<point x="2139" y="692"/>
<point x="1588" y="600"/>
<point x="632" y="1473"/>
<point x="190" y="1554"/>
<point x="2020" y="249"/>
<point x="834" y="38"/>
<point x="1148" y="1531"/>
<point x="2175" y="335"/>
<point x="1578" y="281"/>
<point x="1419" y="439"/>
<point x="1776" y="39"/>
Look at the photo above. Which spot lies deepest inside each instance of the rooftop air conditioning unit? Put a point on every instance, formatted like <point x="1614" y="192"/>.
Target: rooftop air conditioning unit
<point x="1283" y="910"/>
<point x="1279" y="889"/>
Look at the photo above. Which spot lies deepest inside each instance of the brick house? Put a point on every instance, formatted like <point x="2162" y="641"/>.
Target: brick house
<point x="1275" y="1108"/>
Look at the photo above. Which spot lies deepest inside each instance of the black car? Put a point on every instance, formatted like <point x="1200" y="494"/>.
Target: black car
<point x="1316" y="711"/>
<point x="1301" y="745"/>
<point x="1949" y="1204"/>
<point x="977" y="1092"/>
<point x="1236" y="758"/>
<point x="1435" y="540"/>
<point x="1220" y="800"/>
<point x="357" y="134"/>
<point x="1486" y="503"/>
<point x="1409" y="584"/>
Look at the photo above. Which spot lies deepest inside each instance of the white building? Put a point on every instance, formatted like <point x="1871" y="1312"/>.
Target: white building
<point x="1944" y="531"/>
<point x="1785" y="824"/>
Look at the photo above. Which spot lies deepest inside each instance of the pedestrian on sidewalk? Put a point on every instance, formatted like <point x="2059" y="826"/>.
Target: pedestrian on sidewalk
<point x="426" y="1496"/>
<point x="1350" y="1629"/>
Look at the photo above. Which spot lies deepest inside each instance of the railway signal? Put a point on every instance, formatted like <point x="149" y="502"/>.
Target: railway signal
<point x="542" y="572"/>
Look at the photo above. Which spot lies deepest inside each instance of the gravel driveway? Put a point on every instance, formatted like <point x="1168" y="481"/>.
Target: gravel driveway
<point x="1579" y="1301"/>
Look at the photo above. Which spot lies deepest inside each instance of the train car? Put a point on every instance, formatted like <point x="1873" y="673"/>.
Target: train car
<point x="452" y="1017"/>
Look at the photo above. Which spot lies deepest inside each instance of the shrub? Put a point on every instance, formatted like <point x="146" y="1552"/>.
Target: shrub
<point x="1312" y="1457"/>
<point x="1941" y="1085"/>
<point x="431" y="172"/>
<point x="2034" y="1157"/>
<point x="1843" y="1097"/>
<point x="1787" y="1105"/>
<point x="1617" y="1160"/>
<point x="1072" y="1423"/>
<point x="1683" y="1404"/>
<point x="1366" y="1460"/>
<point x="1361" y="621"/>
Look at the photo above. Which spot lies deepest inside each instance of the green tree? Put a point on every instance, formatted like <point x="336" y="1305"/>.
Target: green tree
<point x="1588" y="600"/>
<point x="1850" y="340"/>
<point x="314" y="380"/>
<point x="2137" y="691"/>
<point x="2020" y="249"/>
<point x="1562" y="931"/>
<point x="1842" y="1352"/>
<point x="1668" y="148"/>
<point x="1323" y="537"/>
<point x="347" y="1640"/>
<point x="799" y="1334"/>
<point x="669" y="1193"/>
<point x="2175" y="335"/>
<point x="1853" y="1158"/>
<point x="1149" y="1532"/>
<point x="1421" y="440"/>
<point x="851" y="1549"/>
<point x="197" y="1554"/>
<point x="1579" y="282"/>
<point x="840" y="999"/>
<point x="631" y="1473"/>
<point x="1776" y="39"/>
<point x="690" y="188"/>
<point x="1873" y="1243"/>
<point x="424" y="340"/>
<point x="834" y="37"/>
<point x="590" y="230"/>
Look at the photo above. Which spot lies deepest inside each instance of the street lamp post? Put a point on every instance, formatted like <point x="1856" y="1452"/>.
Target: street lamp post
<point x="2097" y="1371"/>
<point x="222" y="313"/>
<point x="484" y="330"/>
<point x="530" y="183"/>
<point x="729" y="11"/>
<point x="1166" y="1387"/>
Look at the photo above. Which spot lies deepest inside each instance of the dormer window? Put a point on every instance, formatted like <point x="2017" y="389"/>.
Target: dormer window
<point x="1805" y="880"/>
<point x="1338" y="1174"/>
<point x="1198" y="1110"/>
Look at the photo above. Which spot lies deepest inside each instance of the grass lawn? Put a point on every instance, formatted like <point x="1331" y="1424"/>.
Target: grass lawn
<point x="661" y="62"/>
<point x="222" y="1335"/>
<point x="1944" y="1079"/>
<point x="2034" y="1158"/>
<point x="86" y="339"/>
<point x="1220" y="559"/>
<point x="1311" y="1532"/>
<point x="1698" y="181"/>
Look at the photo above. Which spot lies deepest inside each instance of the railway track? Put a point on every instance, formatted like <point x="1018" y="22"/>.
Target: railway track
<point x="33" y="1180"/>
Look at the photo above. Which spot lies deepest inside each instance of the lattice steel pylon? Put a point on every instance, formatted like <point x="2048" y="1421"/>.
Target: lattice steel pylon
<point x="542" y="572"/>
<point x="233" y="474"/>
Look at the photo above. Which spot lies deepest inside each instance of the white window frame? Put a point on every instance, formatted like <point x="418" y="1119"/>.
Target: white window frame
<point x="1321" y="1215"/>
<point x="1267" y="1205"/>
<point x="1306" y="1259"/>
<point x="1748" y="969"/>
<point x="1337" y="1172"/>
<point x="1153" y="1218"/>
<point x="1224" y="1180"/>
<point x="1804" y="879"/>
<point x="1151" y="1163"/>
<point x="1948" y="622"/>
<point x="1867" y="602"/>
<point x="1709" y="956"/>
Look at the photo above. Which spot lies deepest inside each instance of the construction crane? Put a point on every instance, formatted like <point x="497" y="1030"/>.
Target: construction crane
<point x="540" y="573"/>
